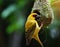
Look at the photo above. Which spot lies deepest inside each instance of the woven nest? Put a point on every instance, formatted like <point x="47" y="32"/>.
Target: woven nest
<point x="45" y="10"/>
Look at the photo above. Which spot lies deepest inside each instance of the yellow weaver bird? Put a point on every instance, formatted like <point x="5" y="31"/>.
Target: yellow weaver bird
<point x="33" y="25"/>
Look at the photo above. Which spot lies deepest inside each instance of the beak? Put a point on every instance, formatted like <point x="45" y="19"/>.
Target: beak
<point x="38" y="16"/>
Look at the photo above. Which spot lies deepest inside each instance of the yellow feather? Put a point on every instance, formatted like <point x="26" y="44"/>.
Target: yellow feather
<point x="33" y="32"/>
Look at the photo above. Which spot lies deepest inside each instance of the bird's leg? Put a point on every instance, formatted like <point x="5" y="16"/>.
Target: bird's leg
<point x="38" y="40"/>
<point x="36" y="37"/>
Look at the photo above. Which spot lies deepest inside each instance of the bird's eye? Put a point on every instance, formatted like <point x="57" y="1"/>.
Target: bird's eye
<point x="34" y="15"/>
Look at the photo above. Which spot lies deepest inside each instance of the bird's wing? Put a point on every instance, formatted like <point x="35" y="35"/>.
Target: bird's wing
<point x="30" y="27"/>
<point x="29" y="24"/>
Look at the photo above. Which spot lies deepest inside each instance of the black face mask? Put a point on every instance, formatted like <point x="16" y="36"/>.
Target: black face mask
<point x="37" y="17"/>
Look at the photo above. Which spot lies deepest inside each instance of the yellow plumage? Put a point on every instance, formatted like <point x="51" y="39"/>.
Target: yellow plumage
<point x="32" y="29"/>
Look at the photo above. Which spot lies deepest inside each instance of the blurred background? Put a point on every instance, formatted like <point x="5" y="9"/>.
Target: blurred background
<point x="13" y="15"/>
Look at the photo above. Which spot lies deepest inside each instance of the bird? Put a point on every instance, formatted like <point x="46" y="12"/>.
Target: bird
<point x="32" y="28"/>
<point x="33" y="25"/>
